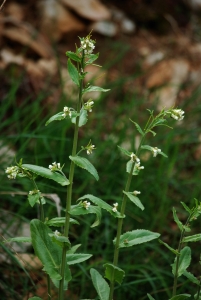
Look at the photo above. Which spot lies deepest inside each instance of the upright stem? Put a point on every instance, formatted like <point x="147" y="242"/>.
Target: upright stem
<point x="69" y="190"/>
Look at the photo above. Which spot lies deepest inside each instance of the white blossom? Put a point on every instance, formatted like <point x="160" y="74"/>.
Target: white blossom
<point x="134" y="158"/>
<point x="34" y="192"/>
<point x="12" y="172"/>
<point x="136" y="193"/>
<point x="87" y="45"/>
<point x="155" y="151"/>
<point x="139" y="167"/>
<point x="115" y="207"/>
<point x="88" y="105"/>
<point x="55" y="166"/>
<point x="86" y="204"/>
<point x="57" y="233"/>
<point x="177" y="114"/>
<point x="67" y="112"/>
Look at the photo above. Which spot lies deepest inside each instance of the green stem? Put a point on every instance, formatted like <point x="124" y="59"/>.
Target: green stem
<point x="69" y="190"/>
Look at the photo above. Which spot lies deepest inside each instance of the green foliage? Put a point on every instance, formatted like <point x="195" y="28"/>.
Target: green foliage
<point x="57" y="117"/>
<point x="59" y="221"/>
<point x="101" y="286"/>
<point x="19" y="239"/>
<point x="135" y="237"/>
<point x="77" y="210"/>
<point x="134" y="200"/>
<point x="82" y="118"/>
<point x="73" y="73"/>
<point x="181" y="297"/>
<point x="184" y="261"/>
<point x="114" y="273"/>
<point x="85" y="164"/>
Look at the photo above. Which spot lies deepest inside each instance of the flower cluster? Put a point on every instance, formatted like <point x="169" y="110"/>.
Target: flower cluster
<point x="86" y="204"/>
<point x="12" y="172"/>
<point x="87" y="45"/>
<point x="67" y="112"/>
<point x="115" y="207"/>
<point x="89" y="148"/>
<point x="57" y="233"/>
<point x="55" y="166"/>
<point x="135" y="193"/>
<point x="34" y="192"/>
<point x="88" y="105"/>
<point x="155" y="151"/>
<point x="177" y="114"/>
<point x="136" y="159"/>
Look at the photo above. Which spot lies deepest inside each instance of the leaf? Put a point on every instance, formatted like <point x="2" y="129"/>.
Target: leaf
<point x="192" y="238"/>
<point x="83" y="118"/>
<point x="33" y="198"/>
<point x="119" y="274"/>
<point x="129" y="166"/>
<point x="135" y="237"/>
<point x="184" y="261"/>
<point x="78" y="209"/>
<point x="73" y="259"/>
<point x="191" y="277"/>
<point x="19" y="239"/>
<point x="60" y="240"/>
<point x="73" y="72"/>
<point x="59" y="221"/>
<point x="180" y="297"/>
<point x="186" y="207"/>
<point x="73" y="249"/>
<point x="48" y="252"/>
<point x="139" y="129"/>
<point x="85" y="164"/>
<point x="57" y="117"/>
<point x="170" y="248"/>
<point x="92" y="88"/>
<point x="44" y="172"/>
<point x="179" y="224"/>
<point x="124" y="151"/>
<point x="134" y="199"/>
<point x="102" y="204"/>
<point x="147" y="147"/>
<point x="100" y="285"/>
<point x="91" y="58"/>
<point x="150" y="297"/>
<point x="73" y="56"/>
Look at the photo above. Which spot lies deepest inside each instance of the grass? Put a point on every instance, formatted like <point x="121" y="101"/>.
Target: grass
<point x="167" y="181"/>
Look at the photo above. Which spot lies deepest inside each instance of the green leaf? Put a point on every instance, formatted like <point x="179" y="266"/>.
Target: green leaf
<point x="92" y="88"/>
<point x="135" y="237"/>
<point x="100" y="285"/>
<point x="192" y="238"/>
<point x="78" y="209"/>
<point x="57" y="117"/>
<point x="60" y="221"/>
<point x="180" y="297"/>
<point x="184" y="261"/>
<point x="44" y="172"/>
<point x="73" y="249"/>
<point x="73" y="56"/>
<point x="119" y="274"/>
<point x="129" y="166"/>
<point x="60" y="240"/>
<point x="77" y="258"/>
<point x="150" y="297"/>
<point x="147" y="147"/>
<point x="186" y="207"/>
<point x="85" y="164"/>
<point x="48" y="252"/>
<point x="139" y="129"/>
<point x="73" y="72"/>
<point x="83" y="118"/>
<point x="124" y="151"/>
<point x="35" y="298"/>
<point x="33" y="199"/>
<point x="19" y="239"/>
<point x="102" y="204"/>
<point x="191" y="277"/>
<point x="179" y="224"/>
<point x="170" y="248"/>
<point x="91" y="58"/>
<point x="134" y="199"/>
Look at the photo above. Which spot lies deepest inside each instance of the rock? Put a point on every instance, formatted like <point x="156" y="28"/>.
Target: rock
<point x="107" y="28"/>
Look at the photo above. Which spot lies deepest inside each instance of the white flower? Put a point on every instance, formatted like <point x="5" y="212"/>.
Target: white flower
<point x="89" y="148"/>
<point x="86" y="204"/>
<point x="34" y="192"/>
<point x="57" y="233"/>
<point x="155" y="151"/>
<point x="138" y="167"/>
<point x="115" y="207"/>
<point x="55" y="166"/>
<point x="87" y="45"/>
<point x="88" y="105"/>
<point x="136" y="193"/>
<point x="134" y="158"/>
<point x="12" y="172"/>
<point x="67" y="112"/>
<point x="177" y="114"/>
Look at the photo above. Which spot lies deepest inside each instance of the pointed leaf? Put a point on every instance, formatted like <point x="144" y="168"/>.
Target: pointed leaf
<point x="192" y="238"/>
<point x="83" y="118"/>
<point x="102" y="204"/>
<point x="73" y="72"/>
<point x="59" y="221"/>
<point x="170" y="248"/>
<point x="78" y="209"/>
<point x="136" y="237"/>
<point x="119" y="274"/>
<point x="73" y="249"/>
<point x="44" y="172"/>
<point x="91" y="58"/>
<point x="180" y="297"/>
<point x="179" y="224"/>
<point x="186" y="207"/>
<point x="100" y="285"/>
<point x="73" y="56"/>
<point x="139" y="129"/>
<point x="124" y="151"/>
<point x="129" y="166"/>
<point x="150" y="297"/>
<point x="134" y="199"/>
<point x="33" y="198"/>
<point x="184" y="261"/>
<point x="94" y="89"/>
<point x="191" y="277"/>
<point x="19" y="239"/>
<point x="77" y="258"/>
<point x="85" y="164"/>
<point x="57" y="117"/>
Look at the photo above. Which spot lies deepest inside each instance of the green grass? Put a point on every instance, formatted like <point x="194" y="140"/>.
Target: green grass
<point x="166" y="183"/>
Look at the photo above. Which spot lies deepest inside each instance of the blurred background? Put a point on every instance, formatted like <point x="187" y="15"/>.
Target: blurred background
<point x="151" y="57"/>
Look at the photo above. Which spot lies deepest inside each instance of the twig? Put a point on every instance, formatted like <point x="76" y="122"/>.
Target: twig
<point x="2" y="4"/>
